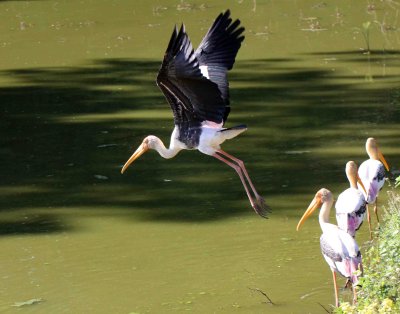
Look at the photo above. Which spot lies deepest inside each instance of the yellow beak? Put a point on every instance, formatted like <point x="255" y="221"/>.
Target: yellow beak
<point x="139" y="152"/>
<point x="362" y="184"/>
<point x="315" y="203"/>
<point x="383" y="160"/>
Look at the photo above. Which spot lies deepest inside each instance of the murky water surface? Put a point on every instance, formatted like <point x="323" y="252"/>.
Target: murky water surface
<point x="78" y="94"/>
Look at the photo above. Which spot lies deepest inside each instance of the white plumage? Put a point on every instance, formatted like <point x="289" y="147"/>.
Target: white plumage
<point x="350" y="205"/>
<point x="196" y="86"/>
<point x="339" y="248"/>
<point x="372" y="174"/>
<point x="347" y="251"/>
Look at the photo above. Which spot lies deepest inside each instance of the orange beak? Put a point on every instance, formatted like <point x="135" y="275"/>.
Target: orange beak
<point x="139" y="152"/>
<point x="383" y="160"/>
<point x="315" y="203"/>
<point x="361" y="184"/>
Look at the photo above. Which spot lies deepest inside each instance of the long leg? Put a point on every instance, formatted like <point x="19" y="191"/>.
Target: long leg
<point x="369" y="223"/>
<point x="261" y="205"/>
<point x="241" y="165"/>
<point x="354" y="295"/>
<point x="336" y="288"/>
<point x="239" y="172"/>
<point x="258" y="206"/>
<point x="376" y="209"/>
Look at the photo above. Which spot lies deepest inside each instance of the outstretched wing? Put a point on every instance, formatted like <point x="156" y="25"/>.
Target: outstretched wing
<point x="192" y="97"/>
<point x="217" y="52"/>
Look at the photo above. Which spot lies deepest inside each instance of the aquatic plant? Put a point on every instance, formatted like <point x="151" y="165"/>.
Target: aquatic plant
<point x="380" y="286"/>
<point x="397" y="182"/>
<point x="365" y="31"/>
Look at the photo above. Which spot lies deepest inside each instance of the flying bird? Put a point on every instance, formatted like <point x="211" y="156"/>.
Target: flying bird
<point x="196" y="87"/>
<point x="372" y="174"/>
<point x="351" y="205"/>
<point x="339" y="248"/>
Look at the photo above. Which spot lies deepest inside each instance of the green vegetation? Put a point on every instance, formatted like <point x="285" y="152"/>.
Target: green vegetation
<point x="397" y="182"/>
<point x="380" y="292"/>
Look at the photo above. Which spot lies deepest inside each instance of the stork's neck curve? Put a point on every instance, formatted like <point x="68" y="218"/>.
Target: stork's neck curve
<point x="164" y="152"/>
<point x="353" y="183"/>
<point x="324" y="212"/>
<point x="351" y="173"/>
<point x="373" y="154"/>
<point x="372" y="149"/>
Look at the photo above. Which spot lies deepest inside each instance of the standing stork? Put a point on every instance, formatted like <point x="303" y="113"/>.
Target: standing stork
<point x="372" y="174"/>
<point x="351" y="205"/>
<point x="339" y="248"/>
<point x="196" y="86"/>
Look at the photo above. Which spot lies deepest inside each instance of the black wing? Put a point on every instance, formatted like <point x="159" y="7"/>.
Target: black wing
<point x="192" y="97"/>
<point x="218" y="51"/>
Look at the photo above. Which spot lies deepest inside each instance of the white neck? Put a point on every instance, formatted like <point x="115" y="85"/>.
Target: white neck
<point x="164" y="152"/>
<point x="372" y="149"/>
<point x="324" y="213"/>
<point x="351" y="173"/>
<point x="352" y="180"/>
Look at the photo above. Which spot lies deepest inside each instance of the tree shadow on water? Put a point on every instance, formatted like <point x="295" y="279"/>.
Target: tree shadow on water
<point x="36" y="224"/>
<point x="65" y="133"/>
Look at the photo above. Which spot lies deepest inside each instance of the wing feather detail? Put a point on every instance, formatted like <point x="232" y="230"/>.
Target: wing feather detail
<point x="218" y="51"/>
<point x="192" y="96"/>
<point x="194" y="93"/>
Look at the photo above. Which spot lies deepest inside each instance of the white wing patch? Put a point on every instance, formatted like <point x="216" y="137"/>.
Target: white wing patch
<point x="204" y="71"/>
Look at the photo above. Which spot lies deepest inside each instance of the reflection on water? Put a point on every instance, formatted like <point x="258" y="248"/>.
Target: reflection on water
<point x="78" y="94"/>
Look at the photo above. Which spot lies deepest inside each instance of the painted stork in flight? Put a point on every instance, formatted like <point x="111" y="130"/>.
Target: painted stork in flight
<point x="350" y="204"/>
<point x="372" y="174"/>
<point x="196" y="86"/>
<point x="339" y="248"/>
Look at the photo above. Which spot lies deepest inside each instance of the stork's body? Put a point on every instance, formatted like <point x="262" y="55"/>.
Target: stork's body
<point x="195" y="85"/>
<point x="372" y="174"/>
<point x="351" y="205"/>
<point x="338" y="248"/>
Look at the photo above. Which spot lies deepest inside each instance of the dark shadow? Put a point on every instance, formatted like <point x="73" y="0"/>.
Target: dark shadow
<point x="357" y="52"/>
<point x="35" y="225"/>
<point x="65" y="133"/>
<point x="389" y="57"/>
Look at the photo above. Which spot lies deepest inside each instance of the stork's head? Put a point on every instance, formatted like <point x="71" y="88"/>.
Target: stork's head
<point x="322" y="196"/>
<point x="373" y="151"/>
<point x="148" y="143"/>
<point x="352" y="175"/>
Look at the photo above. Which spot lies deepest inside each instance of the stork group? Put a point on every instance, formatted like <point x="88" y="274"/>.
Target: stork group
<point x="338" y="244"/>
<point x="195" y="84"/>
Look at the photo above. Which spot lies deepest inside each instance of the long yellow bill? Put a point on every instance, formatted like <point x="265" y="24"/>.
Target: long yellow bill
<point x="383" y="160"/>
<point x="139" y="152"/>
<point x="361" y="184"/>
<point x="315" y="203"/>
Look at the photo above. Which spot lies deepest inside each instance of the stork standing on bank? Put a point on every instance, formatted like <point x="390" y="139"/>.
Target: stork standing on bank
<point x="351" y="205"/>
<point x="372" y="174"/>
<point x="339" y="248"/>
<point x="196" y="86"/>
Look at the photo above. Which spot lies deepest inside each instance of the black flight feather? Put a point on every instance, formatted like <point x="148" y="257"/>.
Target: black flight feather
<point x="192" y="96"/>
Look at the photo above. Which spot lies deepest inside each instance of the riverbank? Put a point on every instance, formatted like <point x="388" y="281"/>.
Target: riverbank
<point x="380" y="291"/>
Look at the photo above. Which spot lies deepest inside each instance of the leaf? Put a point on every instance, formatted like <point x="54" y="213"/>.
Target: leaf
<point x="397" y="183"/>
<point x="366" y="25"/>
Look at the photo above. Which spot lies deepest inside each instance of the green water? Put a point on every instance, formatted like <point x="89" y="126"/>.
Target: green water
<point x="78" y="94"/>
